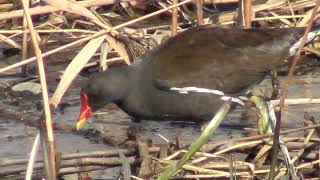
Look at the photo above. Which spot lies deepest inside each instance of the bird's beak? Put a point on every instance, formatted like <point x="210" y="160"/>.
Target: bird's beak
<point x="85" y="111"/>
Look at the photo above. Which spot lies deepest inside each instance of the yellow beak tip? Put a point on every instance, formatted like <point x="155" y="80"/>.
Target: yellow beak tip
<point x="80" y="124"/>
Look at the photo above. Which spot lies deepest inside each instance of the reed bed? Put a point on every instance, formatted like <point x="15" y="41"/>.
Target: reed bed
<point x="107" y="31"/>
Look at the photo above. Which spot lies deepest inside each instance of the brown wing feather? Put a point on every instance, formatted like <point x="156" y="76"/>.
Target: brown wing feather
<point x="219" y="58"/>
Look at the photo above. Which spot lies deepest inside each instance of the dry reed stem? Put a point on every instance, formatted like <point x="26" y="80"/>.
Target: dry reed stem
<point x="76" y="8"/>
<point x="71" y="6"/>
<point x="292" y="12"/>
<point x="245" y="144"/>
<point x="260" y="136"/>
<point x="206" y="155"/>
<point x="24" y="54"/>
<point x="51" y="148"/>
<point x="306" y="141"/>
<point x="174" y="15"/>
<point x="239" y="165"/>
<point x="296" y="101"/>
<point x="218" y="171"/>
<point x="173" y="155"/>
<point x="228" y="17"/>
<point x="77" y="170"/>
<point x="219" y="1"/>
<point x="108" y="161"/>
<point x="93" y="154"/>
<point x="33" y="156"/>
<point x="283" y="20"/>
<point x="199" y="12"/>
<point x="9" y="41"/>
<point x="220" y="174"/>
<point x="268" y="6"/>
<point x="247" y="13"/>
<point x="306" y="19"/>
<point x="18" y="32"/>
<point x="303" y="165"/>
<point x="49" y="31"/>
<point x="50" y="9"/>
<point x="92" y="36"/>
<point x="203" y="170"/>
<point x="13" y="44"/>
<point x="278" y="17"/>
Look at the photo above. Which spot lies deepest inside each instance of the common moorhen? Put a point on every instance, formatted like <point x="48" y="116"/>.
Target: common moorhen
<point x="206" y="57"/>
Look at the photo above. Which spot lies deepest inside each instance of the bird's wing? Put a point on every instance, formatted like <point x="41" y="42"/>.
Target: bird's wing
<point x="219" y="58"/>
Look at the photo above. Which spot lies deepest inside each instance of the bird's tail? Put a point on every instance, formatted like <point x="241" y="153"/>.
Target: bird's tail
<point x="315" y="31"/>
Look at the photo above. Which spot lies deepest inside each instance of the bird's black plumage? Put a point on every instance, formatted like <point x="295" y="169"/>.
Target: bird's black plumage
<point x="225" y="59"/>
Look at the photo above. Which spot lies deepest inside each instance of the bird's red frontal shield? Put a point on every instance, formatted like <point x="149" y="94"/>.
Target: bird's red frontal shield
<point x="85" y="111"/>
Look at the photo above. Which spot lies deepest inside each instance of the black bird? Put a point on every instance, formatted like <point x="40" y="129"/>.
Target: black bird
<point x="207" y="57"/>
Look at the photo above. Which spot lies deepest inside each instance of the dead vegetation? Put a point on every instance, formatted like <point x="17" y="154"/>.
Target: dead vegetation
<point x="104" y="32"/>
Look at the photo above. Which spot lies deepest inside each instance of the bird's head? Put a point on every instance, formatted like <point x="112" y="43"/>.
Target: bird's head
<point x="102" y="88"/>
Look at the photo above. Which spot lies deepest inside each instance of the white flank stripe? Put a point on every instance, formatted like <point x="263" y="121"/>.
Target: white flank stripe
<point x="186" y="90"/>
<point x="233" y="99"/>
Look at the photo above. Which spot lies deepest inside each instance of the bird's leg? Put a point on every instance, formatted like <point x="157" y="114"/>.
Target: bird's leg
<point x="275" y="84"/>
